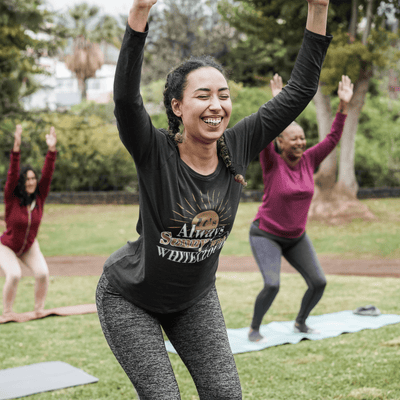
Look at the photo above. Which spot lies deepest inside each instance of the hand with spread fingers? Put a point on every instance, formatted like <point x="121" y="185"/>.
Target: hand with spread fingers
<point x="276" y="85"/>
<point x="51" y="139"/>
<point x="345" y="91"/>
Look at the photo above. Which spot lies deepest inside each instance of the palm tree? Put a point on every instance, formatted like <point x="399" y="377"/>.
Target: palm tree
<point x="88" y="29"/>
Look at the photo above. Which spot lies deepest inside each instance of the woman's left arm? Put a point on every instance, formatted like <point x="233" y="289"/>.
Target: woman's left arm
<point x="275" y="115"/>
<point x="321" y="150"/>
<point x="49" y="164"/>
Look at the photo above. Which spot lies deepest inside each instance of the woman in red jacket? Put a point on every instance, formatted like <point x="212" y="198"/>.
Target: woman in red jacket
<point x="24" y="199"/>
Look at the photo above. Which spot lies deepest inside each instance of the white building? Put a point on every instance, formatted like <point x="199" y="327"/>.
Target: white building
<point x="60" y="88"/>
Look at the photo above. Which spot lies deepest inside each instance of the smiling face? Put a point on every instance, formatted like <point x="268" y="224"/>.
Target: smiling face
<point x="292" y="143"/>
<point x="206" y="106"/>
<point x="30" y="182"/>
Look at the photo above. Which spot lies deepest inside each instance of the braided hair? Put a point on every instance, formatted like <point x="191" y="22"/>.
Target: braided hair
<point x="175" y="85"/>
<point x="20" y="190"/>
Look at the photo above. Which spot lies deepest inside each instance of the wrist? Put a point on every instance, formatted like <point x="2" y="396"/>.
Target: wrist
<point x="343" y="107"/>
<point x="317" y="18"/>
<point x="52" y="148"/>
<point x="138" y="16"/>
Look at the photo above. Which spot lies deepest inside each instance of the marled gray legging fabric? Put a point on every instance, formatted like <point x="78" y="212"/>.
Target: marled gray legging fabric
<point x="197" y="333"/>
<point x="268" y="250"/>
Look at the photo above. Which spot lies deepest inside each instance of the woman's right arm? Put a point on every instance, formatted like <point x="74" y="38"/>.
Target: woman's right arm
<point x="13" y="171"/>
<point x="134" y="124"/>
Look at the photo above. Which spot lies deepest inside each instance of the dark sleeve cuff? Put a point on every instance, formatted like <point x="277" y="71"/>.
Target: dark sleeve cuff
<point x="130" y="31"/>
<point x="316" y="36"/>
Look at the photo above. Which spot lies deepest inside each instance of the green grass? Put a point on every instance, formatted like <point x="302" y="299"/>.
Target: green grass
<point x="363" y="365"/>
<point x="100" y="230"/>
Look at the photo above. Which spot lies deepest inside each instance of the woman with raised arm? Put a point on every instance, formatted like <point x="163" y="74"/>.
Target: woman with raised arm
<point x="24" y="199"/>
<point x="279" y="226"/>
<point x="190" y="181"/>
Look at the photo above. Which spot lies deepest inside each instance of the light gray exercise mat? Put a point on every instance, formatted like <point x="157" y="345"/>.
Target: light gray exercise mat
<point x="329" y="325"/>
<point x="42" y="377"/>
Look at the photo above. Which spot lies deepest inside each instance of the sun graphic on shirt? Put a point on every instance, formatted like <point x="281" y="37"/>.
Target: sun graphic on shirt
<point x="209" y="213"/>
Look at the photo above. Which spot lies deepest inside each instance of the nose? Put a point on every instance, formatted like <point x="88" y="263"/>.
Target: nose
<point x="215" y="104"/>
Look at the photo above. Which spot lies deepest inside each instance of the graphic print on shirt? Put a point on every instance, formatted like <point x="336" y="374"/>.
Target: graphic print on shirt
<point x="200" y="230"/>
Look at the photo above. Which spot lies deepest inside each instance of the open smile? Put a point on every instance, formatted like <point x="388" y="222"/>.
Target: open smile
<point x="214" y="122"/>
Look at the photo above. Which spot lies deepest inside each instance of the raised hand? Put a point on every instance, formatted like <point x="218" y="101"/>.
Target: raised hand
<point x="276" y="84"/>
<point x="17" y="138"/>
<point x="51" y="139"/>
<point x="345" y="91"/>
<point x="139" y="14"/>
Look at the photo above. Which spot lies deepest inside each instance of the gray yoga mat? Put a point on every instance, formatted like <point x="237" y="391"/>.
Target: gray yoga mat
<point x="329" y="325"/>
<point x="42" y="377"/>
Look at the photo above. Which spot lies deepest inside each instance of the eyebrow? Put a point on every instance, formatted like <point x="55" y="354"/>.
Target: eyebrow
<point x="209" y="90"/>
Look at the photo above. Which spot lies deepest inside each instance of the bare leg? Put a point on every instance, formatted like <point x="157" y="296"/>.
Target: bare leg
<point x="34" y="259"/>
<point x="12" y="270"/>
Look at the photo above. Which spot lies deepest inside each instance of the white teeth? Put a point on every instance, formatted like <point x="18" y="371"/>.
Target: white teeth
<point x="213" y="121"/>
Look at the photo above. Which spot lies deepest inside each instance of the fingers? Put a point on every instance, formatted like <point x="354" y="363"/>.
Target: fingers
<point x="52" y="131"/>
<point x="277" y="81"/>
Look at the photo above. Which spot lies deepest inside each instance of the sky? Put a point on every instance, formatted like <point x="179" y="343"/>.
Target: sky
<point x="112" y="7"/>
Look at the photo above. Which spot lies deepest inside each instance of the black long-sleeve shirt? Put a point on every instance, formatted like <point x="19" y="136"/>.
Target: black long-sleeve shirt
<point x="185" y="218"/>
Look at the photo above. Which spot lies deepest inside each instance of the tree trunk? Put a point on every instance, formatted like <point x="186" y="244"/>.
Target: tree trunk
<point x="333" y="202"/>
<point x="353" y="21"/>
<point x="82" y="88"/>
<point x="347" y="178"/>
<point x="368" y="25"/>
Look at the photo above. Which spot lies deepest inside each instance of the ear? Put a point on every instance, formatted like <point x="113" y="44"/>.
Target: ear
<point x="176" y="107"/>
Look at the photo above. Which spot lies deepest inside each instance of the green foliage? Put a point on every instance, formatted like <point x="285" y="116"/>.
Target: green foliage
<point x="260" y="52"/>
<point x="90" y="153"/>
<point x="180" y="29"/>
<point x="356" y="60"/>
<point x="378" y="143"/>
<point x="88" y="108"/>
<point x="84" y="20"/>
<point x="20" y="46"/>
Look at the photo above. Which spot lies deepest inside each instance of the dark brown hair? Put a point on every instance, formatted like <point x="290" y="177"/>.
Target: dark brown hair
<point x="20" y="190"/>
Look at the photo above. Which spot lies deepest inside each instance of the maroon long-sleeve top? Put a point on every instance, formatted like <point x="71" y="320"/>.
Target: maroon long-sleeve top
<point x="21" y="222"/>
<point x="288" y="191"/>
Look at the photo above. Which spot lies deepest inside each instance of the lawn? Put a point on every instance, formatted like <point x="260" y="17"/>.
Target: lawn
<point x="102" y="229"/>
<point x="363" y="365"/>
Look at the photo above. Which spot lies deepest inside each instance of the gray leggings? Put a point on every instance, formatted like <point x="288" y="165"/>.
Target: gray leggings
<point x="299" y="252"/>
<point x="197" y="333"/>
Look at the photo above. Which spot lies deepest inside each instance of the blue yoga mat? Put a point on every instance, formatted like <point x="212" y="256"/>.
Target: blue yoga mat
<point x="329" y="325"/>
<point x="42" y="377"/>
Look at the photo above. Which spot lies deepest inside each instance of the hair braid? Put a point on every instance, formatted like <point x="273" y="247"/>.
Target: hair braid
<point x="226" y="157"/>
<point x="174" y="121"/>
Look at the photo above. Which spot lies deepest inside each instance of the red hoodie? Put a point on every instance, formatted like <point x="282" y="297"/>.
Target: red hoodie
<point x="23" y="224"/>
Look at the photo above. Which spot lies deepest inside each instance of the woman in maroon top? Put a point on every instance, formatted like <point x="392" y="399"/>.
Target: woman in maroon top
<point x="279" y="226"/>
<point x="24" y="199"/>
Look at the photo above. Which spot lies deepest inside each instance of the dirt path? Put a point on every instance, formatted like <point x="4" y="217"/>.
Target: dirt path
<point x="93" y="265"/>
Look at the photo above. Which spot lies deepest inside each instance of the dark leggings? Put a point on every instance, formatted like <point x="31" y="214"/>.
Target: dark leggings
<point x="268" y="250"/>
<point x="198" y="334"/>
